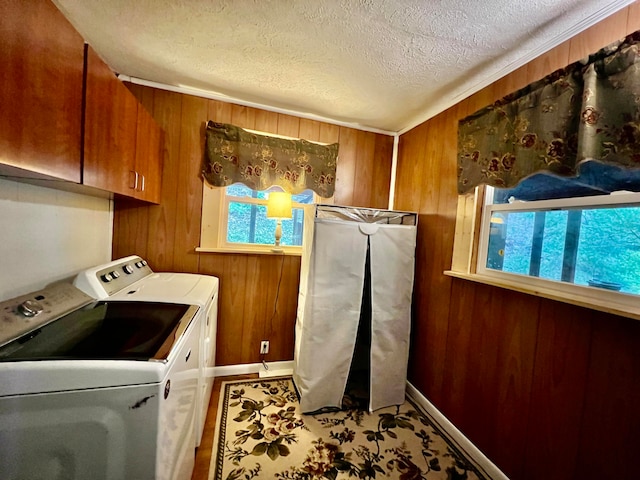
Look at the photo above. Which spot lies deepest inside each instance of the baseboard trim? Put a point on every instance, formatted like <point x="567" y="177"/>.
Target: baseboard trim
<point x="448" y="428"/>
<point x="275" y="368"/>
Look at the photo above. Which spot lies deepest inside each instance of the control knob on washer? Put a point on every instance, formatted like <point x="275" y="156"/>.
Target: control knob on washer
<point x="30" y="308"/>
<point x="128" y="269"/>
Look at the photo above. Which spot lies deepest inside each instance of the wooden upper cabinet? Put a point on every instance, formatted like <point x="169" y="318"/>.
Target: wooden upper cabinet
<point x="122" y="142"/>
<point x="41" y="66"/>
<point x="111" y="115"/>
<point x="148" y="163"/>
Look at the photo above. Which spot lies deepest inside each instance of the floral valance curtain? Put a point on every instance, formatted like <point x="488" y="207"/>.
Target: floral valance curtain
<point x="233" y="155"/>
<point x="589" y="110"/>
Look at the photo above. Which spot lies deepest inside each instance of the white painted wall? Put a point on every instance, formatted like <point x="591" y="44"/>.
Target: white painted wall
<point x="48" y="235"/>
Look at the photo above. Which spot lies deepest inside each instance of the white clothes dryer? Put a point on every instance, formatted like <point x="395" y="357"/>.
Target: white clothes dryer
<point x="131" y="279"/>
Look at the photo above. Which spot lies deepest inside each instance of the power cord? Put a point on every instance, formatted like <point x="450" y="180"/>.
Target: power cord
<point x="275" y="309"/>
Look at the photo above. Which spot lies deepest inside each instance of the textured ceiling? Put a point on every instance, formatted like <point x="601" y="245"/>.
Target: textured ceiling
<point x="375" y="63"/>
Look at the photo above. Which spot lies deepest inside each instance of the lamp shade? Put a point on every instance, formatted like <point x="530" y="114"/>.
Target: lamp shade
<point x="279" y="205"/>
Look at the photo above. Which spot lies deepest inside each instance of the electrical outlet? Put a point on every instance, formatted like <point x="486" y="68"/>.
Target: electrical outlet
<point x="264" y="347"/>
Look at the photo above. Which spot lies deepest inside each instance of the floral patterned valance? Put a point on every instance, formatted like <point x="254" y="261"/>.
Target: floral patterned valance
<point x="589" y="110"/>
<point x="260" y="161"/>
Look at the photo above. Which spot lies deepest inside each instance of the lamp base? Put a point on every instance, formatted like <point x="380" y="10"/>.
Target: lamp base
<point x="278" y="236"/>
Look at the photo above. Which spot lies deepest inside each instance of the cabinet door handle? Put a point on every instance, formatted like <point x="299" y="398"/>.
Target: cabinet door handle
<point x="142" y="187"/>
<point x="188" y="356"/>
<point x="135" y="181"/>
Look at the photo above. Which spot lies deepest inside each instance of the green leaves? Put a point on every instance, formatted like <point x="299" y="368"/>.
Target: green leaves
<point x="250" y="407"/>
<point x="399" y="443"/>
<point x="373" y="436"/>
<point x="404" y="423"/>
<point x="273" y="449"/>
<point x="260" y="448"/>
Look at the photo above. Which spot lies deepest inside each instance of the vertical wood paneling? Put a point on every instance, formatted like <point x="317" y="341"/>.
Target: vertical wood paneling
<point x="233" y="279"/>
<point x="516" y="352"/>
<point x="480" y="99"/>
<point x="272" y="270"/>
<point x="309" y="130"/>
<point x="282" y="326"/>
<point x="220" y="111"/>
<point x="547" y="63"/>
<point x="288" y="126"/>
<point x="633" y="19"/>
<point x="382" y="171"/>
<point x="258" y="294"/>
<point x="166" y="234"/>
<point x="330" y="134"/>
<point x="409" y="179"/>
<point x="345" y="172"/>
<point x="266" y="121"/>
<point x="557" y="400"/>
<point x="605" y="32"/>
<point x="364" y="171"/>
<point x="130" y="230"/>
<point x="524" y="378"/>
<point x="611" y="422"/>
<point x="189" y="200"/>
<point x="432" y="165"/>
<point x="244" y="117"/>
<point x="511" y="83"/>
<point x="162" y="219"/>
<point x="460" y="350"/>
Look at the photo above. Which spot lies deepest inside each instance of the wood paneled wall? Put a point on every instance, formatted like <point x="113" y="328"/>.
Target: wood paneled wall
<point x="547" y="390"/>
<point x="167" y="234"/>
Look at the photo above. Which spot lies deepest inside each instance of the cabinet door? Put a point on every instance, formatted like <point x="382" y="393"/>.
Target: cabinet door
<point x="41" y="60"/>
<point x="110" y="131"/>
<point x="148" y="157"/>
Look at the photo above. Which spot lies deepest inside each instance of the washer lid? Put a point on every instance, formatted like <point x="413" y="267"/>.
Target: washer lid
<point x="106" y="331"/>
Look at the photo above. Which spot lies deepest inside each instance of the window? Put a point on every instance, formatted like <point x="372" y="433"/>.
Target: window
<point x="581" y="250"/>
<point x="247" y="222"/>
<point x="592" y="241"/>
<point x="234" y="219"/>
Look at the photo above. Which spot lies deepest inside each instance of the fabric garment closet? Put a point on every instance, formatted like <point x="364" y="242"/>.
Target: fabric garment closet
<point x="354" y="306"/>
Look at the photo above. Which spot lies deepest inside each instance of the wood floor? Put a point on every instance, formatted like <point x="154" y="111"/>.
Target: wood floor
<point x="203" y="452"/>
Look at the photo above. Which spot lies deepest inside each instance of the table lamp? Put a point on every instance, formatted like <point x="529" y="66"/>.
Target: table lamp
<point x="279" y="207"/>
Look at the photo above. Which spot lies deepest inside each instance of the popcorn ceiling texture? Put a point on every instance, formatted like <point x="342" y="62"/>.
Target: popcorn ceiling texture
<point x="377" y="63"/>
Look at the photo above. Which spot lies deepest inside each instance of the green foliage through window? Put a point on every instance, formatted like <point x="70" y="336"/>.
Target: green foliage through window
<point x="247" y="221"/>
<point x="591" y="246"/>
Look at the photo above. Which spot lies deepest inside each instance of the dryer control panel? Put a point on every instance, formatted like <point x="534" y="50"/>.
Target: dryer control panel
<point x="105" y="280"/>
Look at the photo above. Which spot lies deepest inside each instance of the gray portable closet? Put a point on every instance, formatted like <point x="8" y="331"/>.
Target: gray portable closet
<point x="354" y="306"/>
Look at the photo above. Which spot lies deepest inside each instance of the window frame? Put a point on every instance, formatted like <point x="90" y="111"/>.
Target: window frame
<point x="471" y="245"/>
<point x="214" y="223"/>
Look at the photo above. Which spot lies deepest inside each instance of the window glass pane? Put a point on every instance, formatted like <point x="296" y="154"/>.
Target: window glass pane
<point x="609" y="249"/>
<point x="292" y="228"/>
<point x="239" y="190"/>
<point x="553" y="240"/>
<point x="248" y="223"/>
<point x="304" y="197"/>
<point x="596" y="246"/>
<point x="510" y="242"/>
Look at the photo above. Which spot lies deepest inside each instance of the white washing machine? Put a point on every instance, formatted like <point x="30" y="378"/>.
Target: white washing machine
<point x="97" y="390"/>
<point x="131" y="279"/>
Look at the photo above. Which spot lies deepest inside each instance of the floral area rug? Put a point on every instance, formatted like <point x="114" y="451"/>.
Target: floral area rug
<point x="262" y="435"/>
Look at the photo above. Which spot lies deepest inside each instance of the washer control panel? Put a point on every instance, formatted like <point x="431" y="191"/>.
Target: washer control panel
<point x="25" y="314"/>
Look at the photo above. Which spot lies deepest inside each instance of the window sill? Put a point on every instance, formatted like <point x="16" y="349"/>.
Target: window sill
<point x="593" y="298"/>
<point x="296" y="252"/>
